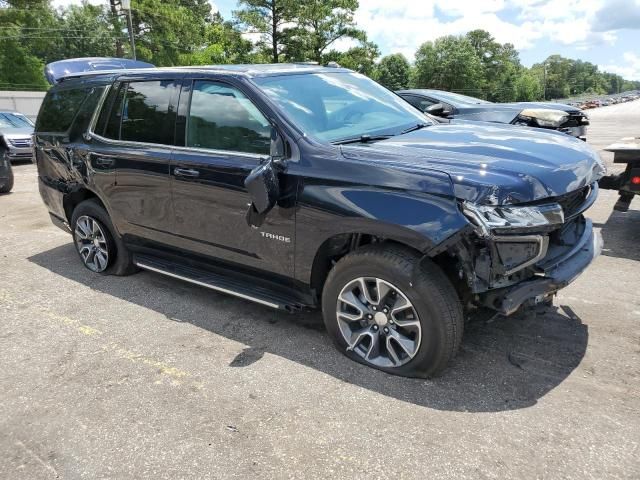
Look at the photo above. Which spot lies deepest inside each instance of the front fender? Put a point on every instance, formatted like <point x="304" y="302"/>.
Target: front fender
<point x="417" y="219"/>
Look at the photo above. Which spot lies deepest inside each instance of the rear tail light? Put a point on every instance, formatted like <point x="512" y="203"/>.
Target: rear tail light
<point x="635" y="180"/>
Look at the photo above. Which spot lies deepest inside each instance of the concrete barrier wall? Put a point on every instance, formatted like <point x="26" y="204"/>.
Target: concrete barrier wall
<point x="27" y="103"/>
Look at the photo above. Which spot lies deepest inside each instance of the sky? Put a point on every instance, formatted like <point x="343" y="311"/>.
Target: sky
<point x="604" y="32"/>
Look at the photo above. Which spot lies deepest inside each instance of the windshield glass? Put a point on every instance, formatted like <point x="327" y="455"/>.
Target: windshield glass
<point x="457" y="98"/>
<point x="339" y="106"/>
<point x="11" y="120"/>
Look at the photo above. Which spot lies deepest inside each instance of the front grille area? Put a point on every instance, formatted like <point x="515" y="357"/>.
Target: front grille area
<point x="20" y="142"/>
<point x="572" y="201"/>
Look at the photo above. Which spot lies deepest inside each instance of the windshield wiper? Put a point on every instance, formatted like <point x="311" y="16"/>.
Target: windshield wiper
<point x="362" y="139"/>
<point x="417" y="126"/>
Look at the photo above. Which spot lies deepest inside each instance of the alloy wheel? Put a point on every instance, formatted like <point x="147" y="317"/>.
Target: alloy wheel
<point x="378" y="322"/>
<point x="91" y="243"/>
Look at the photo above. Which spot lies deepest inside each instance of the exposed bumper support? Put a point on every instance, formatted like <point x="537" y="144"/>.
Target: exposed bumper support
<point x="556" y="276"/>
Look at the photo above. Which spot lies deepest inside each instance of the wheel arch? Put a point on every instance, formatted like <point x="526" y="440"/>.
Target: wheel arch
<point x="72" y="199"/>
<point x="338" y="245"/>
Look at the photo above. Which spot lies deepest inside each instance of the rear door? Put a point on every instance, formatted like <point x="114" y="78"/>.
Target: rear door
<point x="222" y="136"/>
<point x="134" y="136"/>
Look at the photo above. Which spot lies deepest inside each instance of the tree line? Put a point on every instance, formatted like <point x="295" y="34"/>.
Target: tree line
<point x="187" y="32"/>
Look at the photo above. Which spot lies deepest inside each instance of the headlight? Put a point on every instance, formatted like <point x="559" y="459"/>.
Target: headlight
<point x="544" y="118"/>
<point x="506" y="217"/>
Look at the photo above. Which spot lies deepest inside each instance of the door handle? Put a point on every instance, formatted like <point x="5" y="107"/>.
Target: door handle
<point x="186" y="172"/>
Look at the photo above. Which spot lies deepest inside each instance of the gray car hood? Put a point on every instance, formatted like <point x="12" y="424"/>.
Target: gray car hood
<point x="20" y="132"/>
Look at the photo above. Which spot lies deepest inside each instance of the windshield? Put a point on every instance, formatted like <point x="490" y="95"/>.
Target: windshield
<point x="337" y="106"/>
<point x="457" y="98"/>
<point x="12" y="120"/>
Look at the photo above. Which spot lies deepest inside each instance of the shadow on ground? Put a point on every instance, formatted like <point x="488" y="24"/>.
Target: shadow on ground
<point x="621" y="234"/>
<point x="505" y="364"/>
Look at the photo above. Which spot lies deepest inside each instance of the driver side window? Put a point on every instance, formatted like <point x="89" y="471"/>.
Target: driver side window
<point x="223" y="118"/>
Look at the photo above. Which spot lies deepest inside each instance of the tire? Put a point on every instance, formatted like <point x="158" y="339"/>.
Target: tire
<point x="430" y="328"/>
<point x="6" y="185"/>
<point x="119" y="260"/>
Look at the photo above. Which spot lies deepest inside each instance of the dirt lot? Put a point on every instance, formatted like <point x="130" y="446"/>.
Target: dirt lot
<point x="148" y="377"/>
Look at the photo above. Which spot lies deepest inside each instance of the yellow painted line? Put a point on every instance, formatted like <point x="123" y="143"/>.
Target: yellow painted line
<point x="162" y="367"/>
<point x="75" y="324"/>
<point x="112" y="348"/>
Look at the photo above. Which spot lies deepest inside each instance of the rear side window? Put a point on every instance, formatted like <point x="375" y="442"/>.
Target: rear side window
<point x="141" y="112"/>
<point x="222" y="118"/>
<point x="59" y="109"/>
<point x="85" y="113"/>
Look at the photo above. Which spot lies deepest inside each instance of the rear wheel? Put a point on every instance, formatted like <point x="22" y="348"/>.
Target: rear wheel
<point x="385" y="310"/>
<point x="99" y="247"/>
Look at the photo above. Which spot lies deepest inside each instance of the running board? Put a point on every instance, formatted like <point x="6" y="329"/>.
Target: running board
<point x="221" y="283"/>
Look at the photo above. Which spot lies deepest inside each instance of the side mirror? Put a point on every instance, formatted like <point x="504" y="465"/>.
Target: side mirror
<point x="263" y="187"/>
<point x="262" y="182"/>
<point x="438" y="109"/>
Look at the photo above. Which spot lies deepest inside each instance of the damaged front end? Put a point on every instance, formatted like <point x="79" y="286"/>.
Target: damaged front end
<point x="521" y="255"/>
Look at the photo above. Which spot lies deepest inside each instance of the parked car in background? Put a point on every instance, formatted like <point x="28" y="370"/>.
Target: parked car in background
<point x="300" y="187"/>
<point x="554" y="116"/>
<point x="16" y="131"/>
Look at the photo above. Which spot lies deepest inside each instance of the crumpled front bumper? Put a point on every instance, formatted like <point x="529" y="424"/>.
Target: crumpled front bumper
<point x="554" y="275"/>
<point x="578" y="132"/>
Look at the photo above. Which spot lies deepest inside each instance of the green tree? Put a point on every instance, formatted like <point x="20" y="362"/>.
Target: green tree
<point x="393" y="71"/>
<point x="91" y="32"/>
<point x="361" y="58"/>
<point x="269" y="18"/>
<point x="223" y="44"/>
<point x="28" y="38"/>
<point x="528" y="86"/>
<point x="555" y="74"/>
<point x="448" y="63"/>
<point x="20" y="70"/>
<point x="165" y="30"/>
<point x="321" y="23"/>
<point x="500" y="65"/>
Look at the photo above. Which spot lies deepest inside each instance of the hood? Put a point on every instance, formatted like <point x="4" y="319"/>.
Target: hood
<point x="543" y="105"/>
<point x="491" y="164"/>
<point x="17" y="132"/>
<point x="506" y="112"/>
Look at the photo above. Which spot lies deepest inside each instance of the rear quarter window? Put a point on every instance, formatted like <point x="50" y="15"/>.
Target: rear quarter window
<point x="59" y="108"/>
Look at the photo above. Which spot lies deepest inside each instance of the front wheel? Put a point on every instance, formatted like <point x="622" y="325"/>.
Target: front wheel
<point x="386" y="309"/>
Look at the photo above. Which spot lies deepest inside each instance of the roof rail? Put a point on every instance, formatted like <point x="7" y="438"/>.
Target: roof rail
<point x="57" y="71"/>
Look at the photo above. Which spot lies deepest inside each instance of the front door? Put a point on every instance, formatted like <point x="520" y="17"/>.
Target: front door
<point x="225" y="137"/>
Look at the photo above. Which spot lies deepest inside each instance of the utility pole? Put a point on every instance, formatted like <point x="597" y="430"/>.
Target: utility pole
<point x="126" y="5"/>
<point x="544" y="86"/>
<point x="113" y="6"/>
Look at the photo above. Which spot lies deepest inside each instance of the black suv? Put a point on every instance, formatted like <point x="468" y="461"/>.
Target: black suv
<point x="300" y="186"/>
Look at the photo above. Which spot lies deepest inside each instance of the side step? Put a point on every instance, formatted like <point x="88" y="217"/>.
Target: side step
<point x="223" y="283"/>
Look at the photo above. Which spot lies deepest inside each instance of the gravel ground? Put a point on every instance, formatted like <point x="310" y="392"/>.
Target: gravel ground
<point x="148" y="377"/>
